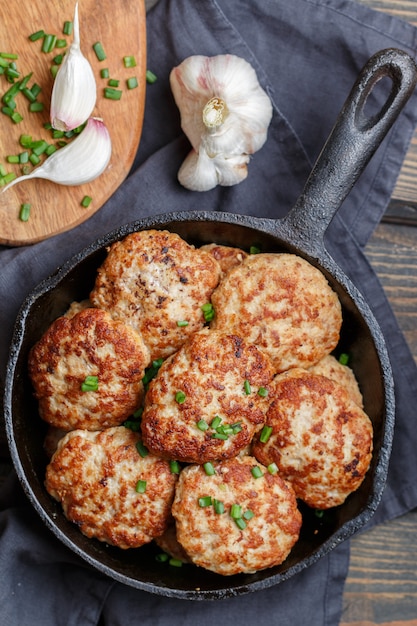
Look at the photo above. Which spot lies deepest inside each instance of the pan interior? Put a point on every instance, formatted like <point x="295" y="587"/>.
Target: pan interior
<point x="139" y="568"/>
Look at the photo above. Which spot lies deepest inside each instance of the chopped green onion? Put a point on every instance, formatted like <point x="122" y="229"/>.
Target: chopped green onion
<point x="86" y="201"/>
<point x="256" y="472"/>
<point x="24" y="157"/>
<point x="58" y="59"/>
<point x="151" y="371"/>
<point x="142" y="449"/>
<point x="12" y="158"/>
<point x="48" y="44"/>
<point x="16" y="117"/>
<point x="266" y="432"/>
<point x="216" y="421"/>
<point x="132" y="82"/>
<point x="204" y="501"/>
<point x="28" y="94"/>
<point x="38" y="35"/>
<point x="36" y="107"/>
<point x="24" y="81"/>
<point x="222" y="436"/>
<point x="175" y="467"/>
<point x="50" y="149"/>
<point x="129" y="61"/>
<point x="236" y="511"/>
<point x="151" y="77"/>
<point x="25" y="141"/>
<point x="247" y="387"/>
<point x="3" y="171"/>
<point x="9" y="177"/>
<point x="162" y="557"/>
<point x="36" y="89"/>
<point x="140" y="486"/>
<point x="209" y="468"/>
<point x="54" y="70"/>
<point x="240" y="523"/>
<point x="180" y="397"/>
<point x="208" y="311"/>
<point x="34" y="159"/>
<point x="67" y="29"/>
<point x="254" y="250"/>
<point x="236" y="428"/>
<point x="24" y="212"/>
<point x="319" y="513"/>
<point x="248" y="514"/>
<point x="60" y="43"/>
<point x="39" y="147"/>
<point x="218" y="506"/>
<point x="112" y="94"/>
<point x="26" y="169"/>
<point x="9" y="55"/>
<point x="104" y="73"/>
<point x="344" y="358"/>
<point x="182" y="323"/>
<point x="202" y="425"/>
<point x="263" y="392"/>
<point x="90" y="383"/>
<point x="175" y="562"/>
<point x="99" y="50"/>
<point x="272" y="468"/>
<point x="113" y="82"/>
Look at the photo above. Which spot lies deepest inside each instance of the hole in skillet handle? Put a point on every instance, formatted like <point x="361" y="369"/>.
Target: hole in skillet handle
<point x="352" y="142"/>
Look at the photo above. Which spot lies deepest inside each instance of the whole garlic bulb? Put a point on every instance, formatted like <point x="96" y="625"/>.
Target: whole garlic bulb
<point x="225" y="114"/>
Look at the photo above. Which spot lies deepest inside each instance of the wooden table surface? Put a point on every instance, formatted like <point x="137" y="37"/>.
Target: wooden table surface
<point x="381" y="587"/>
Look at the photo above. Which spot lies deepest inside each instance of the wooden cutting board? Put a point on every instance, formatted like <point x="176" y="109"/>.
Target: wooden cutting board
<point x="120" y="25"/>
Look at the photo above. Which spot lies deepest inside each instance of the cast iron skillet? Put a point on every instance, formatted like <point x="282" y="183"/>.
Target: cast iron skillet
<point x="352" y="142"/>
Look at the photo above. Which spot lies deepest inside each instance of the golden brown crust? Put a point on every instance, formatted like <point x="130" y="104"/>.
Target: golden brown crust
<point x="213" y="540"/>
<point x="89" y="343"/>
<point x="152" y="280"/>
<point x="226" y="256"/>
<point x="329" y="366"/>
<point x="94" y="476"/>
<point x="321" y="440"/>
<point x="283" y="305"/>
<point x="211" y="370"/>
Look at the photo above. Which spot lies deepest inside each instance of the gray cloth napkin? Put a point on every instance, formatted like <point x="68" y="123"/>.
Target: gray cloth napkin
<point x="307" y="54"/>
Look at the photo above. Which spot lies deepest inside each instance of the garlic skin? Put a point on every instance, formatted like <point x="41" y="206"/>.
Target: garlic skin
<point x="74" y="92"/>
<point x="225" y="114"/>
<point x="79" y="162"/>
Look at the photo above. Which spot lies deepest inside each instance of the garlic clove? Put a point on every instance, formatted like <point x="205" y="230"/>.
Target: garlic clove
<point x="74" y="91"/>
<point x="79" y="162"/>
<point x="201" y="172"/>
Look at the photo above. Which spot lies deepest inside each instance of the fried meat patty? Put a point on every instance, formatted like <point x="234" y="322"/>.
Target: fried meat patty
<point x="94" y="475"/>
<point x="214" y="376"/>
<point x="329" y="366"/>
<point x="157" y="283"/>
<point x="257" y="535"/>
<point x="226" y="256"/>
<point x="90" y="343"/>
<point x="283" y="305"/>
<point x="321" y="439"/>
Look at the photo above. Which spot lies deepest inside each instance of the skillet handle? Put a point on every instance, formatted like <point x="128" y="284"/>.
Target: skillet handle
<point x="351" y="144"/>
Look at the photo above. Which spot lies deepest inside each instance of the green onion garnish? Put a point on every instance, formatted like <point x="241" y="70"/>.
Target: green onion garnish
<point x="113" y="82"/>
<point x="248" y="514"/>
<point x="86" y="201"/>
<point x="180" y="397"/>
<point x="344" y="358"/>
<point x="266" y="432"/>
<point x="129" y="61"/>
<point x="272" y="468"/>
<point x="208" y="311"/>
<point x="112" y="94"/>
<point x="142" y="449"/>
<point x="39" y="34"/>
<point x="67" y="29"/>
<point x="218" y="506"/>
<point x="202" y="425"/>
<point x="246" y="387"/>
<point x="256" y="472"/>
<point x="236" y="511"/>
<point x="182" y="323"/>
<point x="263" y="392"/>
<point x="209" y="468"/>
<point x="24" y="212"/>
<point x="222" y="436"/>
<point x="175" y="467"/>
<point x="240" y="523"/>
<point x="151" y="77"/>
<point x="132" y="82"/>
<point x="105" y="73"/>
<point x="36" y="107"/>
<point x="175" y="562"/>
<point x="99" y="50"/>
<point x="90" y="383"/>
<point x="48" y="44"/>
<point x="216" y="421"/>
<point x="140" y="486"/>
<point x="254" y="250"/>
<point x="162" y="557"/>
<point x="204" y="501"/>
